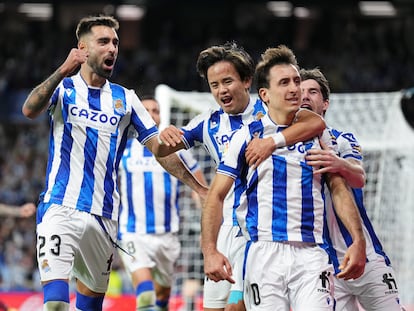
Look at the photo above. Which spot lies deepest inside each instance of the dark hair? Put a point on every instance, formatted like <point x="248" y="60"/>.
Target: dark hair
<point x="271" y="57"/>
<point x="317" y="75"/>
<point x="148" y="97"/>
<point x="85" y="24"/>
<point x="229" y="52"/>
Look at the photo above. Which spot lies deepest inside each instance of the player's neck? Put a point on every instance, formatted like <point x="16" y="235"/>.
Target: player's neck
<point x="91" y="78"/>
<point x="281" y="118"/>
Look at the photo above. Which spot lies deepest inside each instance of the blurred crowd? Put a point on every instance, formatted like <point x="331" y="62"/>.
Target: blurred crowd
<point x="357" y="55"/>
<point x="22" y="166"/>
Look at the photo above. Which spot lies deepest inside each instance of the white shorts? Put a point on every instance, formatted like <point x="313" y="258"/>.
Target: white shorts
<point x="375" y="290"/>
<point x="232" y="245"/>
<point x="280" y="276"/>
<point x="158" y="252"/>
<point x="73" y="243"/>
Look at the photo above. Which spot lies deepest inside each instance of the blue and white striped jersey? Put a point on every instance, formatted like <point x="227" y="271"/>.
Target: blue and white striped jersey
<point x="149" y="194"/>
<point x="339" y="236"/>
<point x="284" y="200"/>
<point x="214" y="129"/>
<point x="88" y="133"/>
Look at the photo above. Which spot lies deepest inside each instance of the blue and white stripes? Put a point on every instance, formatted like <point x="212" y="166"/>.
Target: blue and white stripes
<point x="88" y="132"/>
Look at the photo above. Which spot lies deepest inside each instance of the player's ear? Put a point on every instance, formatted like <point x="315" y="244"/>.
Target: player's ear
<point x="247" y="83"/>
<point x="82" y="45"/>
<point x="263" y="95"/>
<point x="325" y="105"/>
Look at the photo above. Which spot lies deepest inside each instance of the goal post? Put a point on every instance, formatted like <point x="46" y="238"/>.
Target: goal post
<point x="387" y="141"/>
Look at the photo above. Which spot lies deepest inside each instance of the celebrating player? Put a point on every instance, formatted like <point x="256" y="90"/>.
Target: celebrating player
<point x="149" y="219"/>
<point x="376" y="289"/>
<point x="229" y="70"/>
<point x="89" y="120"/>
<point x="282" y="211"/>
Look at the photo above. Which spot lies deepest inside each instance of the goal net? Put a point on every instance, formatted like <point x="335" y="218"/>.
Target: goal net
<point x="387" y="142"/>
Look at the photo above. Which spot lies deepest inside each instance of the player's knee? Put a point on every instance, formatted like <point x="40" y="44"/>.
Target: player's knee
<point x="56" y="296"/>
<point x="88" y="303"/>
<point x="145" y="296"/>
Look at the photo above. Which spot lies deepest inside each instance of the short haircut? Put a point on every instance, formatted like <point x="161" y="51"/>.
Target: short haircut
<point x="273" y="56"/>
<point x="148" y="97"/>
<point x="85" y="24"/>
<point x="229" y="52"/>
<point x="318" y="76"/>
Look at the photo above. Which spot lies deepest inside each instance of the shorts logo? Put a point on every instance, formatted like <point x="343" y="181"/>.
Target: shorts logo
<point x="255" y="294"/>
<point x="325" y="282"/>
<point x="389" y="280"/>
<point x="45" y="265"/>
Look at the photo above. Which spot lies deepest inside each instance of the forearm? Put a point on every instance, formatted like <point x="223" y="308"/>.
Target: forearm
<point x="173" y="164"/>
<point x="8" y="210"/>
<point x="345" y="206"/>
<point x="38" y="98"/>
<point x="163" y="150"/>
<point x="354" y="173"/>
<point x="212" y="213"/>
<point x="306" y="125"/>
<point x="211" y="220"/>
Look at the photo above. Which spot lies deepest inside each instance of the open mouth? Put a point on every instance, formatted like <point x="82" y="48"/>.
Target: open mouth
<point x="109" y="62"/>
<point x="306" y="106"/>
<point x="226" y="100"/>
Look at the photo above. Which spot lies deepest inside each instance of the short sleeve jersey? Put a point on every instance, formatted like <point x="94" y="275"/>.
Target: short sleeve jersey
<point x="88" y="133"/>
<point x="339" y="237"/>
<point x="214" y="130"/>
<point x="149" y="194"/>
<point x="283" y="199"/>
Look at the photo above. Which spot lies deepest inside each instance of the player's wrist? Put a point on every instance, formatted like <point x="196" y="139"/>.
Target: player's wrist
<point x="278" y="139"/>
<point x="208" y="248"/>
<point x="62" y="71"/>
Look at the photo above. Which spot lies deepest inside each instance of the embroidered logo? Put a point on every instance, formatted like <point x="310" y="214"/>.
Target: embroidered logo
<point x="45" y="265"/>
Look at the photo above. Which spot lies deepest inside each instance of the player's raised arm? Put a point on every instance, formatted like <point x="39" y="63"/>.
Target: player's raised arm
<point x="38" y="99"/>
